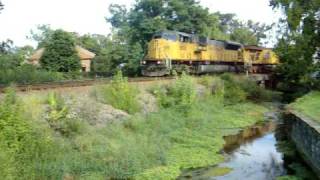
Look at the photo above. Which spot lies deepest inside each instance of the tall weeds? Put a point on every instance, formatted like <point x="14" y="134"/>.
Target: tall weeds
<point x="59" y="117"/>
<point x="21" y="147"/>
<point x="182" y="93"/>
<point x="121" y="95"/>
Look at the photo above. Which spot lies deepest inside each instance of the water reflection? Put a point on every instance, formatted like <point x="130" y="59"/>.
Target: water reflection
<point x="255" y="160"/>
<point x="252" y="155"/>
<point x="247" y="135"/>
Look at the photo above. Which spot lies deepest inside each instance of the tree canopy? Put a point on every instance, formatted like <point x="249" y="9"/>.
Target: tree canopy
<point x="60" y="54"/>
<point x="149" y="16"/>
<point x="1" y="6"/>
<point x="41" y="34"/>
<point x="299" y="43"/>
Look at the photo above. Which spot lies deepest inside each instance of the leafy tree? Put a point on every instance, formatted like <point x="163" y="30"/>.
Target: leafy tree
<point x="94" y="42"/>
<point x="244" y="36"/>
<point x="119" y="54"/>
<point x="132" y="66"/>
<point x="25" y="51"/>
<point x="298" y="44"/>
<point x="6" y="46"/>
<point x="60" y="53"/>
<point x="41" y="35"/>
<point x="259" y="29"/>
<point x="149" y="16"/>
<point x="11" y="56"/>
<point x="1" y="6"/>
<point x="249" y="33"/>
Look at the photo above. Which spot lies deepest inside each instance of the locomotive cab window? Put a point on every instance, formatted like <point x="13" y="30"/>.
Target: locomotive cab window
<point x="169" y="36"/>
<point x="232" y="45"/>
<point x="184" y="38"/>
<point x="166" y="35"/>
<point x="157" y="37"/>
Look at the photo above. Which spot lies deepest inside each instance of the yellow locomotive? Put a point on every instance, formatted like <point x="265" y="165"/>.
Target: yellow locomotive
<point x="172" y="50"/>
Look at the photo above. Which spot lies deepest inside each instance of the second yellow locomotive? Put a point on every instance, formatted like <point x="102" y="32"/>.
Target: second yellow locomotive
<point x="172" y="50"/>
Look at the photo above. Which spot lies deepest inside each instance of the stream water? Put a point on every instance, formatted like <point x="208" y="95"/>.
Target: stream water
<point x="251" y="154"/>
<point x="255" y="160"/>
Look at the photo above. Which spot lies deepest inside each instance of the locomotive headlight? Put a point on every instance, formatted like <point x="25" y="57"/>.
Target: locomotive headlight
<point x="144" y="62"/>
<point x="158" y="62"/>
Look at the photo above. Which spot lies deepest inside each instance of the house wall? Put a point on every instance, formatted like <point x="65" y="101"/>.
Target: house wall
<point x="86" y="63"/>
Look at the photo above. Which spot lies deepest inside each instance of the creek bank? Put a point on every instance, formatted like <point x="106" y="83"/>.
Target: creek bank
<point x="303" y="121"/>
<point x="305" y="134"/>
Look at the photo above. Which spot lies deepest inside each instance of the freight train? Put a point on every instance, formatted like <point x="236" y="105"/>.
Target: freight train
<point x="172" y="50"/>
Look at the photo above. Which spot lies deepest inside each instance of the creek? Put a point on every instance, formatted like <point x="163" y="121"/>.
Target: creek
<point x="250" y="154"/>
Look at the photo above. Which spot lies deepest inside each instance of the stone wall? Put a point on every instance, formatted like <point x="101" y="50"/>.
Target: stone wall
<point x="305" y="133"/>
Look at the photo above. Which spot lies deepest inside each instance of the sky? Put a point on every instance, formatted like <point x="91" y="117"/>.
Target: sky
<point x="88" y="16"/>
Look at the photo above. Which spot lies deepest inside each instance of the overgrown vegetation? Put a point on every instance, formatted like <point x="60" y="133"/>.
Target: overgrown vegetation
<point x="121" y="95"/>
<point x="185" y="133"/>
<point x="308" y="105"/>
<point x="29" y="74"/>
<point x="235" y="89"/>
<point x="182" y="93"/>
<point x="59" y="117"/>
<point x="24" y="149"/>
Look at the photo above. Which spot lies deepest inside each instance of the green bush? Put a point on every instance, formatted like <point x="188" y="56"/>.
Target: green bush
<point x="28" y="74"/>
<point x="233" y="93"/>
<point x="237" y="89"/>
<point x="181" y="93"/>
<point x="120" y="94"/>
<point x="23" y="150"/>
<point x="257" y="93"/>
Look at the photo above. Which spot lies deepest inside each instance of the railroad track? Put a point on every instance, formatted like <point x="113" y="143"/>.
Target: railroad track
<point x="76" y="83"/>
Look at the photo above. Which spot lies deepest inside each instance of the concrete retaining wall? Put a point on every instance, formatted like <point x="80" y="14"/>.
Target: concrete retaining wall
<point x="305" y="133"/>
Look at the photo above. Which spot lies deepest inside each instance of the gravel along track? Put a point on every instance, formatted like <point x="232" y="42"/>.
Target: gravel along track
<point x="76" y="83"/>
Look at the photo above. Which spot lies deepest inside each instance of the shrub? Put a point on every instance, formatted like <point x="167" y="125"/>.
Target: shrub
<point x="181" y="93"/>
<point x="233" y="93"/>
<point x="240" y="89"/>
<point x="257" y="93"/>
<point x="215" y="86"/>
<point x="120" y="94"/>
<point x="12" y="126"/>
<point x="60" y="119"/>
<point x="28" y="74"/>
<point x="22" y="148"/>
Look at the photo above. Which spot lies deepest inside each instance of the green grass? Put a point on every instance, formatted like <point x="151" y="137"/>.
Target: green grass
<point x="309" y="105"/>
<point x="188" y="133"/>
<point x="217" y="171"/>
